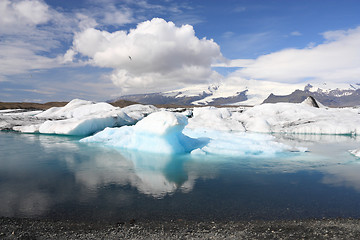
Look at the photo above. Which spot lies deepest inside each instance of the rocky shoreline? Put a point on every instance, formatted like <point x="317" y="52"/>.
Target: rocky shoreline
<point x="20" y="228"/>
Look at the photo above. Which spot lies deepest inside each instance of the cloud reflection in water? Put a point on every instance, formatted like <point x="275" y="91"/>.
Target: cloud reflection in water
<point x="39" y="173"/>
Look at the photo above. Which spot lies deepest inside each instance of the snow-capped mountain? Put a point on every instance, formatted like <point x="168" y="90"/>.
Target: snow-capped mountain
<point x="345" y="97"/>
<point x="253" y="92"/>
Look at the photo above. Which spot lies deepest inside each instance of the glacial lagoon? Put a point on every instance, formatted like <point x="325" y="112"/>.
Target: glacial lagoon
<point x="58" y="177"/>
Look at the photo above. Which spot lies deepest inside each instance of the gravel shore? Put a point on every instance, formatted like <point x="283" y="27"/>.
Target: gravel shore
<point x="12" y="228"/>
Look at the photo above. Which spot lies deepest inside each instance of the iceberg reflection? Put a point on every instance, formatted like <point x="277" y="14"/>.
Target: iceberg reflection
<point x="42" y="174"/>
<point x="151" y="174"/>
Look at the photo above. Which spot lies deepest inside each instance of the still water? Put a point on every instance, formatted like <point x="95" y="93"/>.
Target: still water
<point x="45" y="176"/>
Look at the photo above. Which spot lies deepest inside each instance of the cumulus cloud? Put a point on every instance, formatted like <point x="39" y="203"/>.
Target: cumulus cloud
<point x="156" y="55"/>
<point x="15" y="14"/>
<point x="335" y="60"/>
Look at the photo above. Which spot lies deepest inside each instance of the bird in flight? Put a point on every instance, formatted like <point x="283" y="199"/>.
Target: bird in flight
<point x="130" y="58"/>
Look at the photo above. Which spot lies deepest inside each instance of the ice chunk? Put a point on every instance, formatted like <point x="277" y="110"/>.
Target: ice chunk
<point x="300" y="118"/>
<point x="239" y="144"/>
<point x="139" y="111"/>
<point x="80" y="117"/>
<point x="76" y="109"/>
<point x="27" y="128"/>
<point x="16" y="118"/>
<point x="86" y="125"/>
<point x="160" y="132"/>
<point x="215" y="119"/>
<point x="355" y="152"/>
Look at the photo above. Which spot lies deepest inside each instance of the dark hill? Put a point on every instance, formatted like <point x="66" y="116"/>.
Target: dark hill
<point x="333" y="98"/>
<point x="30" y="106"/>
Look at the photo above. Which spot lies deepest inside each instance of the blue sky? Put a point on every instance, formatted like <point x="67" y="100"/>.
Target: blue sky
<point x="61" y="49"/>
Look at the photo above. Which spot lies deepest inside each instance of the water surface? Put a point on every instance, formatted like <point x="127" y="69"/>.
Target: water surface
<point x="46" y="176"/>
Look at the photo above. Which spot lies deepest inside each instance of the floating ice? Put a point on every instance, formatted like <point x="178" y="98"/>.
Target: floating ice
<point x="162" y="132"/>
<point x="355" y="152"/>
<point x="309" y="117"/>
<point x="300" y="118"/>
<point x="80" y="117"/>
<point x="77" y="108"/>
<point x="239" y="143"/>
<point x="215" y="119"/>
<point x="86" y="125"/>
<point x="18" y="117"/>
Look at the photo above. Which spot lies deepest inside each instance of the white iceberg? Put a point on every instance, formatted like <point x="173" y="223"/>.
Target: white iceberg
<point x="300" y="119"/>
<point x="309" y="117"/>
<point x="355" y="152"/>
<point x="80" y="117"/>
<point x="215" y="119"/>
<point x="239" y="144"/>
<point x="77" y="108"/>
<point x="162" y="132"/>
<point x="85" y="125"/>
<point x="17" y="117"/>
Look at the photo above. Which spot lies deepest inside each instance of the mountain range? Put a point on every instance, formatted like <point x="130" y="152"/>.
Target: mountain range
<point x="257" y="92"/>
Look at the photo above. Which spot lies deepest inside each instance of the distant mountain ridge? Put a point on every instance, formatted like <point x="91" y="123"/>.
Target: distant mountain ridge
<point x="332" y="98"/>
<point x="347" y="96"/>
<point x="161" y="98"/>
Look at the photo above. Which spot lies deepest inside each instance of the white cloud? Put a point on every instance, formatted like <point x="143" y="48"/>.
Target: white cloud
<point x="335" y="60"/>
<point x="21" y="14"/>
<point x="16" y="58"/>
<point x="85" y="21"/>
<point x="114" y="16"/>
<point x="104" y="15"/>
<point x="296" y="33"/>
<point x="29" y="29"/>
<point x="155" y="55"/>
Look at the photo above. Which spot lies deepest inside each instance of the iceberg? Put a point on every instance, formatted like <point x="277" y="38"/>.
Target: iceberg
<point x="239" y="144"/>
<point x="300" y="118"/>
<point x="355" y="152"/>
<point x="163" y="132"/>
<point x="160" y="132"/>
<point x="17" y="117"/>
<point x="214" y="119"/>
<point x="83" y="118"/>
<point x="76" y="108"/>
<point x="308" y="117"/>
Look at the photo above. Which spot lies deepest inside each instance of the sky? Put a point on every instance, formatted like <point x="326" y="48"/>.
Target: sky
<point x="58" y="50"/>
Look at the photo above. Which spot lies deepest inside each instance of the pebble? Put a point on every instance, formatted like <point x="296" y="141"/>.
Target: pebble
<point x="11" y="228"/>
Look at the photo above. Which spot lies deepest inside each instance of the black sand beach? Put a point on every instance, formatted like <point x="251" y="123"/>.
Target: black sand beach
<point x="13" y="228"/>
